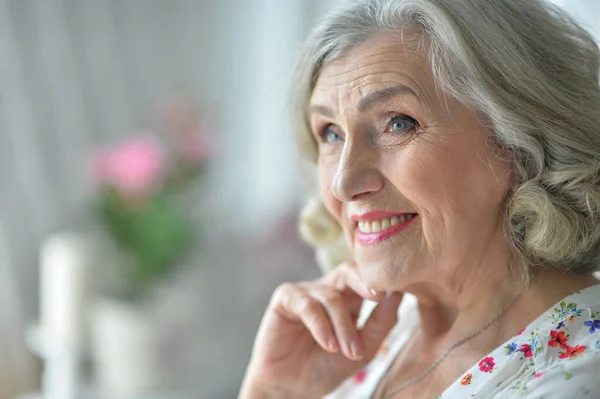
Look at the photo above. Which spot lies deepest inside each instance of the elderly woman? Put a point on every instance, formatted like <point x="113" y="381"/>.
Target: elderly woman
<point x="457" y="144"/>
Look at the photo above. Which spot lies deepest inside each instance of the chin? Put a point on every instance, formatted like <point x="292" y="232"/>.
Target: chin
<point x="382" y="275"/>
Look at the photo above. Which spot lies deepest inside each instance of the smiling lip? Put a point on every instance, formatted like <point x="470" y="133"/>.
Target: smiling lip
<point x="373" y="238"/>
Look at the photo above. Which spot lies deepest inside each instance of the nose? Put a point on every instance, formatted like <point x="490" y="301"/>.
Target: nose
<point x="357" y="175"/>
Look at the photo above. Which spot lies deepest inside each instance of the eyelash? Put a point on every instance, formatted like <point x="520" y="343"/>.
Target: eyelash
<point x="405" y="118"/>
<point x="325" y="130"/>
<point x="323" y="133"/>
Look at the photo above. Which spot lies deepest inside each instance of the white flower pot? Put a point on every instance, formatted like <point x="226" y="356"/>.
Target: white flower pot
<point x="127" y="348"/>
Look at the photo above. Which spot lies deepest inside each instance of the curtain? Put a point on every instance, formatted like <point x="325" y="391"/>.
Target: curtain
<point x="75" y="74"/>
<point x="79" y="73"/>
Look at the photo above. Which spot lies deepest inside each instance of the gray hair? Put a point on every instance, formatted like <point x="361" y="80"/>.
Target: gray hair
<point x="531" y="72"/>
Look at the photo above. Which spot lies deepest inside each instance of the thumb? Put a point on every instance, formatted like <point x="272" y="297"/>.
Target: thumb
<point x="380" y="322"/>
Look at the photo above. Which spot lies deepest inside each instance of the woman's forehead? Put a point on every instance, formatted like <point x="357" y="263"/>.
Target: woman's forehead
<point x="385" y="61"/>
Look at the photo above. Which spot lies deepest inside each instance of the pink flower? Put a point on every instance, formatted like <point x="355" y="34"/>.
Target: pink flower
<point x="360" y="377"/>
<point x="526" y="349"/>
<point x="487" y="364"/>
<point x="193" y="147"/>
<point x="134" y="166"/>
<point x="181" y="121"/>
<point x="540" y="374"/>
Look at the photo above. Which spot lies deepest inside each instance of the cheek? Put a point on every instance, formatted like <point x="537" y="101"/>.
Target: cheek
<point x="417" y="175"/>
<point x="427" y="179"/>
<point x="326" y="175"/>
<point x="453" y="189"/>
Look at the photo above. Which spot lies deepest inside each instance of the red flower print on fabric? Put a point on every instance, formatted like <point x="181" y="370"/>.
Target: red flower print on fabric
<point x="466" y="380"/>
<point x="487" y="364"/>
<point x="521" y="332"/>
<point x="558" y="339"/>
<point x="571" y="352"/>
<point x="360" y="377"/>
<point x="526" y="349"/>
<point x="539" y="375"/>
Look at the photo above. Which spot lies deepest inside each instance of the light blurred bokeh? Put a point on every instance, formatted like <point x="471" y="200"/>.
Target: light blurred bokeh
<point x="77" y="74"/>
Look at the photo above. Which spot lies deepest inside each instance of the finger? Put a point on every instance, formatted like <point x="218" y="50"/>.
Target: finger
<point x="341" y="319"/>
<point x="381" y="321"/>
<point x="298" y="304"/>
<point x="377" y="296"/>
<point x="346" y="277"/>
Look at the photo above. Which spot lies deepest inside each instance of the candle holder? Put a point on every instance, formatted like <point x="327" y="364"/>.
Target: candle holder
<point x="62" y="373"/>
<point x="63" y="376"/>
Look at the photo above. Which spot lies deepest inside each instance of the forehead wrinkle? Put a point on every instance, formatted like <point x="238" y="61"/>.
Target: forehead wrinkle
<point x="350" y="94"/>
<point x="361" y="68"/>
<point x="358" y="72"/>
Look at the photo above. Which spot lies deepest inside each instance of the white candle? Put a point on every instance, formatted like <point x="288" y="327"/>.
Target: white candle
<point x="64" y="271"/>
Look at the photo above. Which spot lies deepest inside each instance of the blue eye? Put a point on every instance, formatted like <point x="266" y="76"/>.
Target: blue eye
<point x="402" y="123"/>
<point x="329" y="135"/>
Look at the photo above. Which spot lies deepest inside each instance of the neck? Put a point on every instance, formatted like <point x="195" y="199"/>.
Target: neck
<point x="443" y="322"/>
<point x="457" y="303"/>
<point x="456" y="306"/>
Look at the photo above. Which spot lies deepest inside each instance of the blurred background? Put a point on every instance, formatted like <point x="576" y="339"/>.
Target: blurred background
<point x="150" y="189"/>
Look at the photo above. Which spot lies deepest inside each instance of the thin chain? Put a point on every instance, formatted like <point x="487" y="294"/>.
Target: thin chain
<point x="445" y="354"/>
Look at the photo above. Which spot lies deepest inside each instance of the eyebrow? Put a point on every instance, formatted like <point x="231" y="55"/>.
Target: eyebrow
<point x="384" y="94"/>
<point x="370" y="100"/>
<point x="321" y="109"/>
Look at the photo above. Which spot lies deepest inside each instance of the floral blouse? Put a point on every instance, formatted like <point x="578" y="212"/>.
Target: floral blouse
<point x="557" y="356"/>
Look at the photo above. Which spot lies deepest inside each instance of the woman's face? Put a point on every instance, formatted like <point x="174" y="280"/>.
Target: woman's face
<point x="407" y="171"/>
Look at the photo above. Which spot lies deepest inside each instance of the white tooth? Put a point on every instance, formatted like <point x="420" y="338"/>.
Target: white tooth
<point x="361" y="225"/>
<point x="394" y="221"/>
<point x="385" y="224"/>
<point x="376" y="226"/>
<point x="367" y="227"/>
<point x="402" y="218"/>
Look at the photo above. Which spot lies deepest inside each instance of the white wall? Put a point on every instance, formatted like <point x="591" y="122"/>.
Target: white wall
<point x="73" y="74"/>
<point x="77" y="73"/>
<point x="256" y="174"/>
<point x="586" y="11"/>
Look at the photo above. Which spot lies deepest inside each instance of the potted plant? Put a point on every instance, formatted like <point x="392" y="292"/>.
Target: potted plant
<point x="143" y="202"/>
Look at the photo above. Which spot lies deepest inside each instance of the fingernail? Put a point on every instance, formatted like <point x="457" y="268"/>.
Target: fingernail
<point x="355" y="351"/>
<point x="373" y="292"/>
<point x="332" y="345"/>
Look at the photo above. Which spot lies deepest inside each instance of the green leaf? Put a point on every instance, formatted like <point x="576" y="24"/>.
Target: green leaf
<point x="562" y="304"/>
<point x="155" y="235"/>
<point x="568" y="375"/>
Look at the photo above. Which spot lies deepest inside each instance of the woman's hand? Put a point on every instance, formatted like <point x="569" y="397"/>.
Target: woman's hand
<point x="308" y="342"/>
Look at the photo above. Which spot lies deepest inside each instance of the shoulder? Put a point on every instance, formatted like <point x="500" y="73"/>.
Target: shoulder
<point x="564" y="350"/>
<point x="571" y="330"/>
<point x="572" y="374"/>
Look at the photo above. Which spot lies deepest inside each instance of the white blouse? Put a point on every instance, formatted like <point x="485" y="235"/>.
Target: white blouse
<point x="556" y="356"/>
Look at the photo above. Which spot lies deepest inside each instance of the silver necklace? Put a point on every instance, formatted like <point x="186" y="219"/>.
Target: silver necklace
<point x="445" y="354"/>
